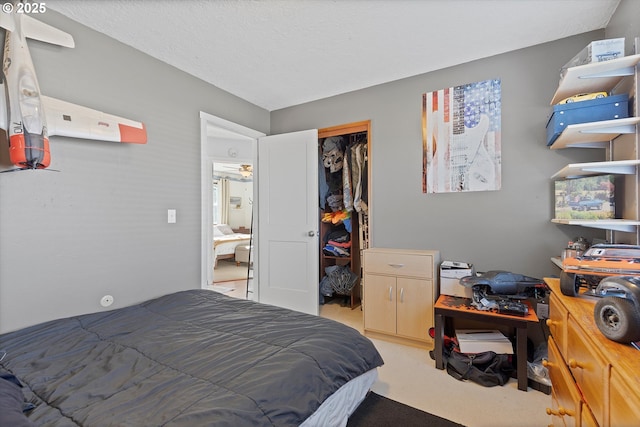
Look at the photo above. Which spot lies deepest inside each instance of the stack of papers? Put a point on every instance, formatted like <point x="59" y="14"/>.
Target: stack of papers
<point x="479" y="340"/>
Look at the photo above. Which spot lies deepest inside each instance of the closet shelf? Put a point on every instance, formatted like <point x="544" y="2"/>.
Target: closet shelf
<point x="597" y="76"/>
<point x="594" y="134"/>
<point x="576" y="170"/>
<point x="624" y="225"/>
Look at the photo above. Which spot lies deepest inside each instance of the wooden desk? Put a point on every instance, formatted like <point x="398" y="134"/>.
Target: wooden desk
<point x="456" y="307"/>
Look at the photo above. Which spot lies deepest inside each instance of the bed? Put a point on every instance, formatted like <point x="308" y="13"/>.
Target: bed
<point x="189" y="358"/>
<point x="225" y="241"/>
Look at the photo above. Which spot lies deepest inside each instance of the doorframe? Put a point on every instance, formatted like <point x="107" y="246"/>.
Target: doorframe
<point x="222" y="140"/>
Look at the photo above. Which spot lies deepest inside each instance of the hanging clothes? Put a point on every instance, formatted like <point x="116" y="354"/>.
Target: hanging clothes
<point x="347" y="197"/>
<point x="358" y="157"/>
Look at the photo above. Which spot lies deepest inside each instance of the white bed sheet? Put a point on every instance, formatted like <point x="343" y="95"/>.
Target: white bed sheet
<point x="226" y="244"/>
<point x="336" y="409"/>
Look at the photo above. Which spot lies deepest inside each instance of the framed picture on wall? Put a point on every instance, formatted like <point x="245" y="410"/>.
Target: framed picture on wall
<point x="235" y="202"/>
<point x="461" y="138"/>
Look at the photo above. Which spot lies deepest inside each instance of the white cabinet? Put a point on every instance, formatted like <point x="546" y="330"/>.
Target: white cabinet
<point x="400" y="288"/>
<point x="619" y="138"/>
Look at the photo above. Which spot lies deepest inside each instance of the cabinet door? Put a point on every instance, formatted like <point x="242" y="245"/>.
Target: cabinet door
<point x="380" y="303"/>
<point x="414" y="305"/>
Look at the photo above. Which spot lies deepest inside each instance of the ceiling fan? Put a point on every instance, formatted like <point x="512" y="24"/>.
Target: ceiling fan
<point x="245" y="170"/>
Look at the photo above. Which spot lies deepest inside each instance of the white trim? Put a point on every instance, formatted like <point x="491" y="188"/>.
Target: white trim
<point x="212" y="127"/>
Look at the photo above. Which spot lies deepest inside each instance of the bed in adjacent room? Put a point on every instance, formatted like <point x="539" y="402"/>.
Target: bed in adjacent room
<point x="190" y="358"/>
<point x="225" y="241"/>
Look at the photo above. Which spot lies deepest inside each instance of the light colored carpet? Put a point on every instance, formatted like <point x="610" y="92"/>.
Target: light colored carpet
<point x="409" y="376"/>
<point x="226" y="270"/>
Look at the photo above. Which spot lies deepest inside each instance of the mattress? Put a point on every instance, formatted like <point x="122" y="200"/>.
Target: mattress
<point x="336" y="410"/>
<point x="190" y="358"/>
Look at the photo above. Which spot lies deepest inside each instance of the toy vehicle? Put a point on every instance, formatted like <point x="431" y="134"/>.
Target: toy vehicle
<point x="598" y="262"/>
<point x="497" y="284"/>
<point x="586" y="205"/>
<point x="584" y="97"/>
<point x="617" y="313"/>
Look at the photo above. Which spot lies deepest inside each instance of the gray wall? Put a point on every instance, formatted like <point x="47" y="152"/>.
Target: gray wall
<point x="99" y="226"/>
<point x="509" y="229"/>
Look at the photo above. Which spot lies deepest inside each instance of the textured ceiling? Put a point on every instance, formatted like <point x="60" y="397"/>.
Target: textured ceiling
<point x="280" y="53"/>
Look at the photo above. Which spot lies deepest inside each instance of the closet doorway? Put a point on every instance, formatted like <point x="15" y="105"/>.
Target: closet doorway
<point x="344" y="152"/>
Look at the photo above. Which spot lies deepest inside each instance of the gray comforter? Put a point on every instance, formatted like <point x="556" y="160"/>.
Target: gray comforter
<point x="193" y="358"/>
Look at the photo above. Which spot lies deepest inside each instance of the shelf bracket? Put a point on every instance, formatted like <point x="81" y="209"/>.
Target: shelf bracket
<point x="620" y="72"/>
<point x="615" y="129"/>
<point x="625" y="228"/>
<point x="622" y="170"/>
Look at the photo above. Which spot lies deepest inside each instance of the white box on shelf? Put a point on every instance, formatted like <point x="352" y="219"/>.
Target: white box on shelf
<point x="597" y="51"/>
<point x="450" y="274"/>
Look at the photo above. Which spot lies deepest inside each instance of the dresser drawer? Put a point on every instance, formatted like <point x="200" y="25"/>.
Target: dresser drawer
<point x="566" y="400"/>
<point x="398" y="264"/>
<point x="557" y="322"/>
<point x="589" y="370"/>
<point x="623" y="402"/>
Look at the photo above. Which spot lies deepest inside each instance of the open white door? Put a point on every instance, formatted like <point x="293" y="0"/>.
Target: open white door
<point x="287" y="175"/>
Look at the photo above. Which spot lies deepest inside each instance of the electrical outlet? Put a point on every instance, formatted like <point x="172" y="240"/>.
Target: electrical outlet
<point x="171" y="216"/>
<point x="106" y="301"/>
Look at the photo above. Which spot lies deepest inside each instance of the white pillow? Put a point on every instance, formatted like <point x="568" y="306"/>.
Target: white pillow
<point x="217" y="232"/>
<point x="225" y="229"/>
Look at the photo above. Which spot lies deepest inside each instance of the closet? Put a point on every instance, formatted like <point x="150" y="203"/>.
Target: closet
<point x="343" y="155"/>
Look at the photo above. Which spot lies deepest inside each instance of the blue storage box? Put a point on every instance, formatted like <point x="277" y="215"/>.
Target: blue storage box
<point x="594" y="110"/>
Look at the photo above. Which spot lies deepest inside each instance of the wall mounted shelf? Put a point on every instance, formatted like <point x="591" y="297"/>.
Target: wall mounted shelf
<point x="597" y="76"/>
<point x="624" y="225"/>
<point x="620" y="74"/>
<point x="577" y="170"/>
<point x="594" y="134"/>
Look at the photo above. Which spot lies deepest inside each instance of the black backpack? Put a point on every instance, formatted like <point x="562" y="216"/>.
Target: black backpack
<point x="487" y="368"/>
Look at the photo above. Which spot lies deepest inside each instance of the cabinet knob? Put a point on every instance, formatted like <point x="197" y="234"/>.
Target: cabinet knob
<point x="560" y="412"/>
<point x="564" y="411"/>
<point x="573" y="363"/>
<point x="546" y="363"/>
<point x="552" y="322"/>
<point x="390" y="293"/>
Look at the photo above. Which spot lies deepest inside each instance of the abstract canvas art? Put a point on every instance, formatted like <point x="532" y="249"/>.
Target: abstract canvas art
<point x="461" y="136"/>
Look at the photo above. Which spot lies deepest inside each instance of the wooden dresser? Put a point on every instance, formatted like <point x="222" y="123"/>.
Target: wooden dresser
<point x="400" y="289"/>
<point x="595" y="381"/>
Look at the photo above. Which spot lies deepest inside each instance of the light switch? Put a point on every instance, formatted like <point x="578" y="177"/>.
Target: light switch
<point x="171" y="216"/>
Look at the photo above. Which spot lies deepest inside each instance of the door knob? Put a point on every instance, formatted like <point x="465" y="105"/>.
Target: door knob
<point x="312" y="233"/>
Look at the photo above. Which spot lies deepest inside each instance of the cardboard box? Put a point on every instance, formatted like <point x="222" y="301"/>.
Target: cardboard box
<point x="450" y="274"/>
<point x="597" y="51"/>
<point x="594" y="110"/>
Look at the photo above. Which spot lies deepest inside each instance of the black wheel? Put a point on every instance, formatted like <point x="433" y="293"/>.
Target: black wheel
<point x="569" y="284"/>
<point x="617" y="319"/>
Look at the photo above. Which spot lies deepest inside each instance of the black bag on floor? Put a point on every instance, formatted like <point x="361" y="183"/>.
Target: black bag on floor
<point x="487" y="368"/>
